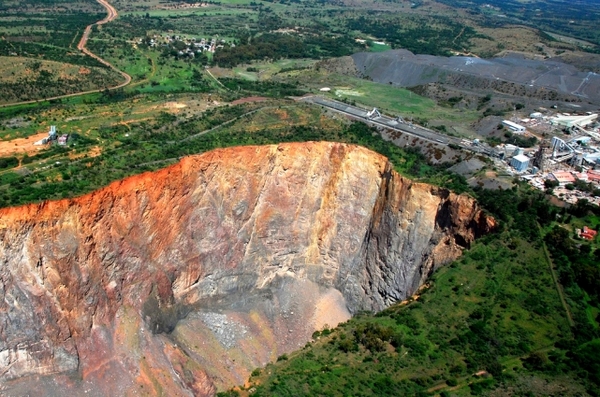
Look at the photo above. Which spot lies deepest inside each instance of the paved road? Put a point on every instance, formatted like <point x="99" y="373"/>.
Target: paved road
<point x="388" y="122"/>
<point x="111" y="16"/>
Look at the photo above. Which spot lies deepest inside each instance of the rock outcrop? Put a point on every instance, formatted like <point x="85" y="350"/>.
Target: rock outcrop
<point x="187" y="278"/>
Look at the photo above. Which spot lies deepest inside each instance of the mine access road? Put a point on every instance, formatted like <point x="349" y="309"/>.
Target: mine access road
<point x="390" y="123"/>
<point x="112" y="14"/>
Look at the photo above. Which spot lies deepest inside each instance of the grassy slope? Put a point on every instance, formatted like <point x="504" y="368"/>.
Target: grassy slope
<point x="495" y="310"/>
<point x="485" y="312"/>
<point x="24" y="79"/>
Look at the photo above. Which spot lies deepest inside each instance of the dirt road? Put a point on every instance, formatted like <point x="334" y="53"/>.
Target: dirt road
<point x="112" y="15"/>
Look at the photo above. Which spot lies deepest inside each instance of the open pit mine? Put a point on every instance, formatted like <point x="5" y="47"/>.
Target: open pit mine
<point x="180" y="282"/>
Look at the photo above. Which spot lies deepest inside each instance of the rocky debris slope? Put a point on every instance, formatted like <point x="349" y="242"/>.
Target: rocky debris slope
<point x="187" y="278"/>
<point x="513" y="74"/>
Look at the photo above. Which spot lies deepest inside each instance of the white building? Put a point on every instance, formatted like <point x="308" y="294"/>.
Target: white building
<point x="518" y="128"/>
<point x="570" y="121"/>
<point x="520" y="162"/>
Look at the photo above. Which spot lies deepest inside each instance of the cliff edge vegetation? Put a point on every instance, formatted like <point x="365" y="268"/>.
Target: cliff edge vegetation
<point x="516" y="315"/>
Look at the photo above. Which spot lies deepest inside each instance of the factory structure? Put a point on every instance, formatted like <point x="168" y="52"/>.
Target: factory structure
<point x="520" y="162"/>
<point x="514" y="127"/>
<point x="53" y="138"/>
<point x="567" y="157"/>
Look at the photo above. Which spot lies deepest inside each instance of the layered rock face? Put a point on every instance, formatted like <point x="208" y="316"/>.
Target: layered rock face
<point x="183" y="280"/>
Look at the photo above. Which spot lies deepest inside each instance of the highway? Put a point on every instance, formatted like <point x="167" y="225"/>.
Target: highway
<point x="390" y="123"/>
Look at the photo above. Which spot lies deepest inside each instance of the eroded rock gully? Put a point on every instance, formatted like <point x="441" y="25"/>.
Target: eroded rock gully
<point x="187" y="278"/>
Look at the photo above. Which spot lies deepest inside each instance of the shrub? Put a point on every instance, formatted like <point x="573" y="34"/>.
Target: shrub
<point x="451" y="382"/>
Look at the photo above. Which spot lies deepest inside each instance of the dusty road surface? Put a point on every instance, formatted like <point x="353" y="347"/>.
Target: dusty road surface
<point x="21" y="145"/>
<point x="112" y="14"/>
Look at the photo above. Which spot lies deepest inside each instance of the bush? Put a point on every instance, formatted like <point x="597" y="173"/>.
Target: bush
<point x="8" y="162"/>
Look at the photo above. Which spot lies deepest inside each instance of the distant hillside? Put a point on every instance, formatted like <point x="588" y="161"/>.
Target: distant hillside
<point x="577" y="18"/>
<point x="513" y="74"/>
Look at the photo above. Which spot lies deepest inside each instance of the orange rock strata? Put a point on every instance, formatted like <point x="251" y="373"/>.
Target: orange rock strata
<point x="186" y="278"/>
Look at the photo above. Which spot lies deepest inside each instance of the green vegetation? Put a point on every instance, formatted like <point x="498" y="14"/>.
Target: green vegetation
<point x="28" y="28"/>
<point x="25" y="79"/>
<point x="278" y="46"/>
<point x="492" y="321"/>
<point x="38" y="50"/>
<point x="540" y="14"/>
<point x="8" y="162"/>
<point x="133" y="148"/>
<point x="389" y="99"/>
<point x="266" y="88"/>
<point x="433" y="35"/>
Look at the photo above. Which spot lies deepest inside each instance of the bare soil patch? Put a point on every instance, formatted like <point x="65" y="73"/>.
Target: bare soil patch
<point x="21" y="145"/>
<point x="249" y="99"/>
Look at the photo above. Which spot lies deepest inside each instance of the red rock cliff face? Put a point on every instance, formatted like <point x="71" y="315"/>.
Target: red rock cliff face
<point x="187" y="278"/>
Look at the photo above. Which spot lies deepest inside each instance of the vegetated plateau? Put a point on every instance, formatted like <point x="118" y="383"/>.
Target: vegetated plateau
<point x="516" y="315"/>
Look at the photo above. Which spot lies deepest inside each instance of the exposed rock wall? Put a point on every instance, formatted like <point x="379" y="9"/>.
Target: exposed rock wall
<point x="189" y="277"/>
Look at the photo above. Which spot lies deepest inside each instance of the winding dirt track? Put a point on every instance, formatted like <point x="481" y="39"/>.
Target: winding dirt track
<point x="112" y="15"/>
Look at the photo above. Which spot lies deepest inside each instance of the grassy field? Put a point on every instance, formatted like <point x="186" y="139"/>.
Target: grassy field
<point x="379" y="47"/>
<point x="268" y="70"/>
<point x="89" y="114"/>
<point x="389" y="99"/>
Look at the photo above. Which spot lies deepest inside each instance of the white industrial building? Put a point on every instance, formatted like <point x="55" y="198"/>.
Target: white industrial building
<point x="520" y="162"/>
<point x="570" y="121"/>
<point x="514" y="126"/>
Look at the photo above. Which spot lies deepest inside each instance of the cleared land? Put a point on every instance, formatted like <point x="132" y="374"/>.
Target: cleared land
<point x="21" y="146"/>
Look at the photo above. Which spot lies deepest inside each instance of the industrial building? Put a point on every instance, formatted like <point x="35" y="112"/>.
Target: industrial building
<point x="571" y="121"/>
<point x="587" y="233"/>
<point x="593" y="176"/>
<point x="51" y="137"/>
<point x="518" y="128"/>
<point x="562" y="177"/>
<point x="520" y="162"/>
